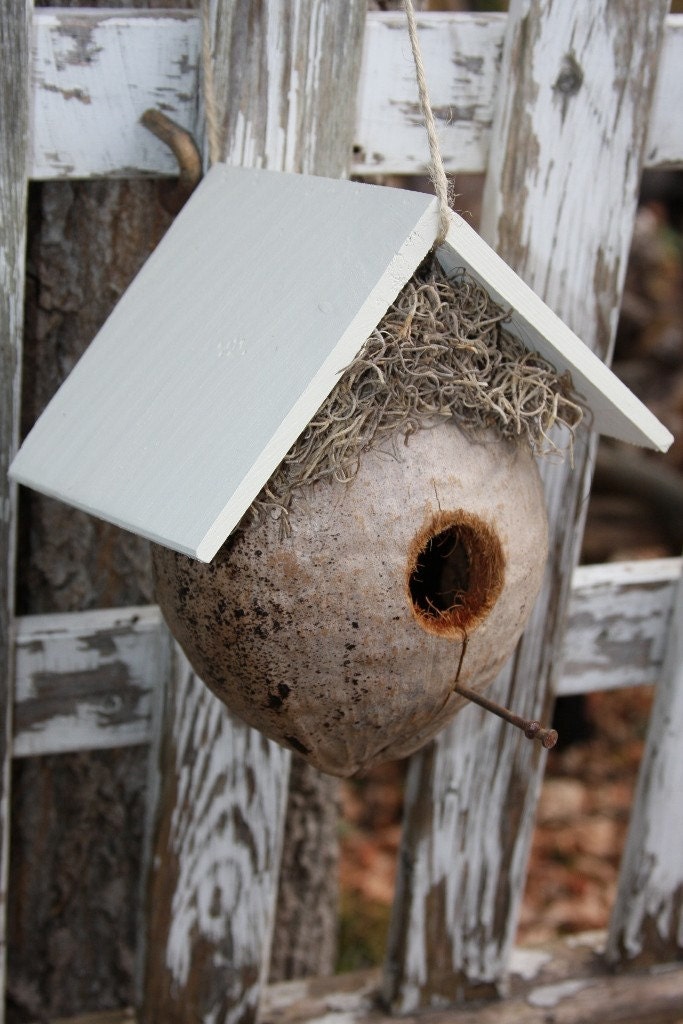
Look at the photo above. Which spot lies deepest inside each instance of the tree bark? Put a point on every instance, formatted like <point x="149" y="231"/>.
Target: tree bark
<point x="77" y="818"/>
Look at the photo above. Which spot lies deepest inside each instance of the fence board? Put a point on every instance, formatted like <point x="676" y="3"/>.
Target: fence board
<point x="647" y="919"/>
<point x="95" y="72"/>
<point x="566" y="982"/>
<point x="559" y="207"/>
<point x="221" y="803"/>
<point x="14" y="103"/>
<point x="107" y="664"/>
<point x="617" y="625"/>
<point x="86" y="680"/>
<point x="462" y="58"/>
<point x="223" y="789"/>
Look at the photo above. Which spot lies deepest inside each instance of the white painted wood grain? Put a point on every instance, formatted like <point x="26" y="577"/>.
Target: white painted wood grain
<point x="222" y="799"/>
<point x="92" y="69"/>
<point x="664" y="139"/>
<point x="560" y="198"/>
<point x="14" y="135"/>
<point x="94" y="76"/>
<point x="222" y="349"/>
<point x="462" y="57"/>
<point x="86" y="680"/>
<point x="648" y="914"/>
<point x="566" y="981"/>
<point x="617" y="625"/>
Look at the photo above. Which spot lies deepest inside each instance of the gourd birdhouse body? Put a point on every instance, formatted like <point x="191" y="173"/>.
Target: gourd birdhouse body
<point x="338" y="623"/>
<point x="342" y="640"/>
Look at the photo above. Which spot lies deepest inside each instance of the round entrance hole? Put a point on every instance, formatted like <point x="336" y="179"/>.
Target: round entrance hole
<point x="456" y="570"/>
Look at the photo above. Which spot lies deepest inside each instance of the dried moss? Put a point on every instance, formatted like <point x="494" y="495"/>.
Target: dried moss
<point x="441" y="351"/>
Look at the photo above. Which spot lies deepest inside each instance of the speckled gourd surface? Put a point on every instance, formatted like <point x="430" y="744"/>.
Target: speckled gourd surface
<point x="343" y="640"/>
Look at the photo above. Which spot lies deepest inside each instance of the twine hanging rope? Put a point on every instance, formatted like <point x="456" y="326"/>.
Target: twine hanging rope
<point x="213" y="133"/>
<point x="437" y="171"/>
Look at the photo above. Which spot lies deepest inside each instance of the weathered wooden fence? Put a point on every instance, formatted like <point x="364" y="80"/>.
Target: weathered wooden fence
<point x="563" y="105"/>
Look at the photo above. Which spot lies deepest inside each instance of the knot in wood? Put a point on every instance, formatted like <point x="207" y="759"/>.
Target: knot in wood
<point x="570" y="77"/>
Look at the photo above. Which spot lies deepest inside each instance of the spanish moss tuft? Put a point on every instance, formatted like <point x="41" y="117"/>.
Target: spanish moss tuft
<point x="441" y="351"/>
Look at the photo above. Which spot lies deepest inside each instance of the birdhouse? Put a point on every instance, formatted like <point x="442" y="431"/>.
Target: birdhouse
<point x="334" y="542"/>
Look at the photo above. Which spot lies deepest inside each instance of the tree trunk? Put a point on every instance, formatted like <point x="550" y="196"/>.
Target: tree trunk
<point x="77" y="818"/>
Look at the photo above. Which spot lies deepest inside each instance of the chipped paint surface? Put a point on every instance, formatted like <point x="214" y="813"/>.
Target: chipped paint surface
<point x="79" y="54"/>
<point x="14" y="128"/>
<point x="648" y="914"/>
<point x="461" y="55"/>
<point x="528" y="962"/>
<point x="662" y="149"/>
<point x="270" y="120"/>
<point x="615" y="638"/>
<point x="85" y="681"/>
<point x="94" y="75"/>
<point x="224" y="845"/>
<point x="221" y="814"/>
<point x="224" y="787"/>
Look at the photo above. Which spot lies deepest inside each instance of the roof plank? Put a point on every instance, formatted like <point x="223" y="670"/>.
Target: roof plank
<point x="223" y="348"/>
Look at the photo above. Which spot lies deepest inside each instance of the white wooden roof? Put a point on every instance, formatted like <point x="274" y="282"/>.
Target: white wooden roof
<point x="234" y="333"/>
<point x="222" y="349"/>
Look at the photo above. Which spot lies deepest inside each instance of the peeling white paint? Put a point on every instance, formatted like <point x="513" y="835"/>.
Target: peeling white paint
<point x="149" y="58"/>
<point x="133" y="62"/>
<point x="225" y="837"/>
<point x="349" y="1017"/>
<point x="612" y="640"/>
<point x="594" y="940"/>
<point x="390" y="135"/>
<point x="651" y="879"/>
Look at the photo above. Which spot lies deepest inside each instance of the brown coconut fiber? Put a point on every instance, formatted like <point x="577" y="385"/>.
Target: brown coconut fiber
<point x="441" y="351"/>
